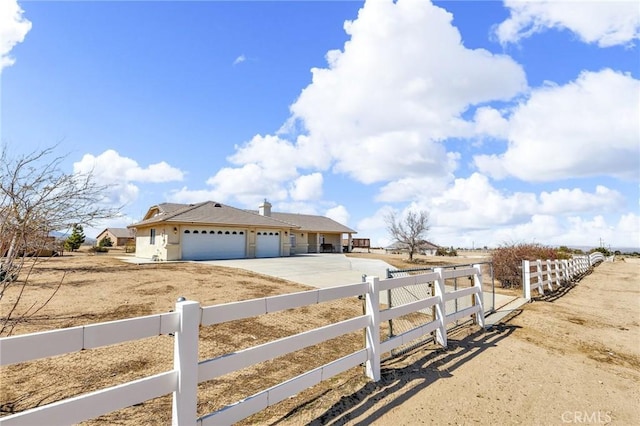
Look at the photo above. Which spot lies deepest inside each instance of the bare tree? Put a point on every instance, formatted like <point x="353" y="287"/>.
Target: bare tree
<point x="37" y="198"/>
<point x="410" y="231"/>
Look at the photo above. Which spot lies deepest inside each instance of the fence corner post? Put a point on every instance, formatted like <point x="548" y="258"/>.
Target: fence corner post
<point x="441" y="310"/>
<point x="373" y="329"/>
<point x="526" y="280"/>
<point x="185" y="362"/>
<point x="478" y="297"/>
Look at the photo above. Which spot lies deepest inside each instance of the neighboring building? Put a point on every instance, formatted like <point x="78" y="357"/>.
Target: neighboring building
<point x="211" y="230"/>
<point x="119" y="237"/>
<point x="357" y="244"/>
<point x="425" y="248"/>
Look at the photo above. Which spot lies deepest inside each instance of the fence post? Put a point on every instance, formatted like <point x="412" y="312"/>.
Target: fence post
<point x="539" y="275"/>
<point x="479" y="297"/>
<point x="549" y="275"/>
<point x="373" y="329"/>
<point x="526" y="279"/>
<point x="572" y="271"/>
<point x="185" y="361"/>
<point x="441" y="310"/>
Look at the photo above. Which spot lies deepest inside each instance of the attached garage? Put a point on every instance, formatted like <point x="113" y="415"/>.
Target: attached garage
<point x="267" y="244"/>
<point x="212" y="230"/>
<point x="210" y="244"/>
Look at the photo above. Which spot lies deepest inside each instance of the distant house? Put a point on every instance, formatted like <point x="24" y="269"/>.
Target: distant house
<point x="211" y="230"/>
<point x="426" y="248"/>
<point x="119" y="237"/>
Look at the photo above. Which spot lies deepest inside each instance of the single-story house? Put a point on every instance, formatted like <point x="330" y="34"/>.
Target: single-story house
<point x="212" y="230"/>
<point x="119" y="237"/>
<point x="425" y="247"/>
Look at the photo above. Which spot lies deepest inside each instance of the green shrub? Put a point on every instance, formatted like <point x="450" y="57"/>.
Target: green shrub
<point x="98" y="249"/>
<point x="602" y="250"/>
<point x="446" y="251"/>
<point x="105" y="242"/>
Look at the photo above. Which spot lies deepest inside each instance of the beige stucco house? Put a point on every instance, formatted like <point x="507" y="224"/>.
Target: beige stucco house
<point x="212" y="230"/>
<point x="119" y="236"/>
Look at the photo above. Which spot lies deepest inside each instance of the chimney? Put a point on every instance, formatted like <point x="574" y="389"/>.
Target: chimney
<point x="264" y="209"/>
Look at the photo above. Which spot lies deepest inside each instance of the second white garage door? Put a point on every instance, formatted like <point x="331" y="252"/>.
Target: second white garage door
<point x="213" y="244"/>
<point x="267" y="244"/>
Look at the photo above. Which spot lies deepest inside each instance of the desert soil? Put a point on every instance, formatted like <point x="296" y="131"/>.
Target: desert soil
<point x="571" y="357"/>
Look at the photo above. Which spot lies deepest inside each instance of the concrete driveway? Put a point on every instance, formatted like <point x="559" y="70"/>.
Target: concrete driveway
<point x="329" y="270"/>
<point x="316" y="270"/>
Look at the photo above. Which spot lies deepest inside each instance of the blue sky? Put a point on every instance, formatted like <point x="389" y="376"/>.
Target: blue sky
<point x="507" y="121"/>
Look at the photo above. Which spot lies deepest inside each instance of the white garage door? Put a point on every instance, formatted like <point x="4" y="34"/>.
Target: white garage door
<point x="268" y="244"/>
<point x="199" y="244"/>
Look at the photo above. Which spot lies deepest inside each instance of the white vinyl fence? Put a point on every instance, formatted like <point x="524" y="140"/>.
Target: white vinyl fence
<point x="182" y="381"/>
<point x="536" y="275"/>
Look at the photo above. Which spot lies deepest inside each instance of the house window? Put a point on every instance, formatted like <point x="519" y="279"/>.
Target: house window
<point x="152" y="239"/>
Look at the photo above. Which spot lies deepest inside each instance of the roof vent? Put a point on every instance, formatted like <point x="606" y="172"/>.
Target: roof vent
<point x="217" y="205"/>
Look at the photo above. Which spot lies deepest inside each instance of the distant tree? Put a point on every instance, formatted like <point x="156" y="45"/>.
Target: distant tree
<point x="409" y="231"/>
<point x="76" y="238"/>
<point x="105" y="242"/>
<point x="36" y="199"/>
<point x="602" y="250"/>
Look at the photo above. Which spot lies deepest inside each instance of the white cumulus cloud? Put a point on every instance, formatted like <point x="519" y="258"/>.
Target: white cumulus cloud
<point x="397" y="89"/>
<point x="13" y="29"/>
<point x="576" y="200"/>
<point x="588" y="127"/>
<point x="339" y="214"/>
<point x="382" y="107"/>
<point x="307" y="187"/>
<point x="605" y="23"/>
<point x="121" y="173"/>
<point x="474" y="203"/>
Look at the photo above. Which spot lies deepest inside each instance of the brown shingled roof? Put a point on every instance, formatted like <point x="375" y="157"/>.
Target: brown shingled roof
<point x="210" y="212"/>
<point x="120" y="232"/>
<point x="312" y="223"/>
<point x="214" y="213"/>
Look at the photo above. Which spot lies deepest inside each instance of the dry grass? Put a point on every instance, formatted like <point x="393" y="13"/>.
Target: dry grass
<point x="593" y="327"/>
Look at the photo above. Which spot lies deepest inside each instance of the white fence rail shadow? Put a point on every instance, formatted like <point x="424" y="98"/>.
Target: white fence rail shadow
<point x="182" y="381"/>
<point x="541" y="274"/>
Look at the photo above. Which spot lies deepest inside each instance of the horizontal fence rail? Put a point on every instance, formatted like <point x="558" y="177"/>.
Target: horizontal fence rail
<point x="182" y="381"/>
<point x="540" y="274"/>
<point x="28" y="347"/>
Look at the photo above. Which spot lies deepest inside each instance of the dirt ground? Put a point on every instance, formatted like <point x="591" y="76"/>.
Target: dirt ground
<point x="571" y="357"/>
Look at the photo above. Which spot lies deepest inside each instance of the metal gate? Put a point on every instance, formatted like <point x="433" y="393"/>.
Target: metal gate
<point x="408" y="294"/>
